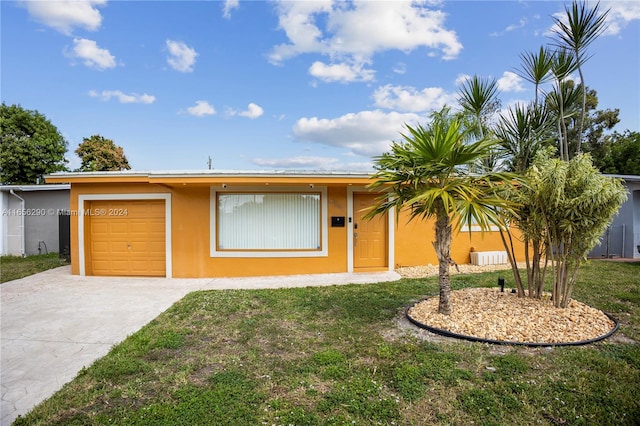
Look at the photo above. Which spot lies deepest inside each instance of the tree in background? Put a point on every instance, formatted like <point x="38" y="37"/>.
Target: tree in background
<point x="427" y="174"/>
<point x="623" y="154"/>
<point x="30" y="146"/>
<point x="100" y="154"/>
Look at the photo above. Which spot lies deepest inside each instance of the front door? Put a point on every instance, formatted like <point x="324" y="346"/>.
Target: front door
<point x="370" y="237"/>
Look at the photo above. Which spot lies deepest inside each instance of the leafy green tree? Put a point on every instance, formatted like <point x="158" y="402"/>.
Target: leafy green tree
<point x="100" y="154"/>
<point x="568" y="205"/>
<point x="427" y="174"/>
<point x="30" y="146"/>
<point x="623" y="154"/>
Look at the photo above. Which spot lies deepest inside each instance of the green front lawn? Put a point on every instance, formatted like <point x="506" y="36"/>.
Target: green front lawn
<point x="337" y="356"/>
<point x="14" y="267"/>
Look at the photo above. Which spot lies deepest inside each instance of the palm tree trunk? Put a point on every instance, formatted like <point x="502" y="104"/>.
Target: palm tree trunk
<point x="442" y="246"/>
<point x="584" y="109"/>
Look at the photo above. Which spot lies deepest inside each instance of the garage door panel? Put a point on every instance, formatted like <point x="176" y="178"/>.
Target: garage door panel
<point x="99" y="227"/>
<point x="131" y="241"/>
<point x="100" y="247"/>
<point x="118" y="226"/>
<point x="156" y="246"/>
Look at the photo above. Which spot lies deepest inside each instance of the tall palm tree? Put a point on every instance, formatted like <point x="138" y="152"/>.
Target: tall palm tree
<point x="536" y="68"/>
<point x="563" y="96"/>
<point x="427" y="174"/>
<point x="581" y="28"/>
<point x="479" y="98"/>
<point x="521" y="132"/>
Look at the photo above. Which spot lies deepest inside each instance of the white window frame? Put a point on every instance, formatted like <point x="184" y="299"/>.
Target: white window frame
<point x="213" y="224"/>
<point x="477" y="228"/>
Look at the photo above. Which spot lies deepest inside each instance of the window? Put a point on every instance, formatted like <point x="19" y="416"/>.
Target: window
<point x="265" y="224"/>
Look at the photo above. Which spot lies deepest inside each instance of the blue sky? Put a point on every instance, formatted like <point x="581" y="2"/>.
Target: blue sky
<point x="281" y="85"/>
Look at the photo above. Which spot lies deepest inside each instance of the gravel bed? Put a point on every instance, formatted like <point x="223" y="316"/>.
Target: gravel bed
<point x="432" y="270"/>
<point x="487" y="313"/>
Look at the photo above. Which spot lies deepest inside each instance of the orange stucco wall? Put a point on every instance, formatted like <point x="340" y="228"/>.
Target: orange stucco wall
<point x="414" y="243"/>
<point x="190" y="228"/>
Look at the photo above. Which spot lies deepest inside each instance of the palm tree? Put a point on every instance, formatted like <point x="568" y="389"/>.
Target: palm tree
<point x="427" y="173"/>
<point x="479" y="98"/>
<point x="536" y="68"/>
<point x="521" y="132"/>
<point x="581" y="28"/>
<point x="563" y="97"/>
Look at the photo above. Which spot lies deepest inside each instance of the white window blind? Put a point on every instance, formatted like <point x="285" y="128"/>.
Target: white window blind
<point x="268" y="221"/>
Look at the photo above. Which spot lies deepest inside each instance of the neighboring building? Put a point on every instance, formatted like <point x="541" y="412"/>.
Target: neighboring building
<point x="622" y="238"/>
<point x="30" y="222"/>
<point x="226" y="224"/>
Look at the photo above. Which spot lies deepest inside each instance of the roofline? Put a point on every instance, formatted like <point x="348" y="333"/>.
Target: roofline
<point x="31" y="188"/>
<point x="203" y="176"/>
<point x="207" y="173"/>
<point x="626" y="178"/>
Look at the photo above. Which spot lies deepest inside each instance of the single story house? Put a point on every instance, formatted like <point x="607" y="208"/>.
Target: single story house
<point x="30" y="221"/>
<point x="228" y="224"/>
<point x="622" y="237"/>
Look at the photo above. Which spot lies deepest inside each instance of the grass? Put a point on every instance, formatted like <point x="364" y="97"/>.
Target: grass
<point x="336" y="356"/>
<point x="14" y="267"/>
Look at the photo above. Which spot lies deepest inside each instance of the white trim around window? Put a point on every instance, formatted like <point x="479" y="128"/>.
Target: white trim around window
<point x="150" y="196"/>
<point x="298" y="249"/>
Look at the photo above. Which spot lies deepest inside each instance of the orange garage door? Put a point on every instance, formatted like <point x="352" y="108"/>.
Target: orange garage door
<point x="127" y="238"/>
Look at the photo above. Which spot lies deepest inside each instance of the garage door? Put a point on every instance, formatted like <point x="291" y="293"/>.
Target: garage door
<point x="127" y="238"/>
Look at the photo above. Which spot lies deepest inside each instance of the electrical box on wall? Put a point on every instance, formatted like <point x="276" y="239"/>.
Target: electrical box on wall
<point x="337" y="221"/>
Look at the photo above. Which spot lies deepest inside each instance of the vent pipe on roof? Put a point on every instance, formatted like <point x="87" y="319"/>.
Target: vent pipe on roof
<point x="22" y="214"/>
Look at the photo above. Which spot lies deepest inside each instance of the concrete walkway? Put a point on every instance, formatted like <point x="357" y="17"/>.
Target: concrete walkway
<point x="55" y="323"/>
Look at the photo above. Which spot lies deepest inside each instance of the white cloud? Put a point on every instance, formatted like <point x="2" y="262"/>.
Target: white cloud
<point x="253" y="111"/>
<point x="406" y="98"/>
<point x="521" y="24"/>
<point x="201" y="108"/>
<point x="353" y="32"/>
<point x="65" y="15"/>
<point x="364" y="133"/>
<point x="400" y="68"/>
<point x="300" y="162"/>
<point x="91" y="55"/>
<point x="343" y="73"/>
<point x="229" y="5"/>
<point x="311" y="163"/>
<point x="461" y="79"/>
<point x="620" y="14"/>
<point x="123" y="98"/>
<point x="181" y="57"/>
<point x="510" y="82"/>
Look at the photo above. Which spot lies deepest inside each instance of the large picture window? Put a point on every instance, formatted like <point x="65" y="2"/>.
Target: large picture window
<point x="282" y="222"/>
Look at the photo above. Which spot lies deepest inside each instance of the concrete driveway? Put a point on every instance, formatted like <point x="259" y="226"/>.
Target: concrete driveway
<point x="55" y="323"/>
